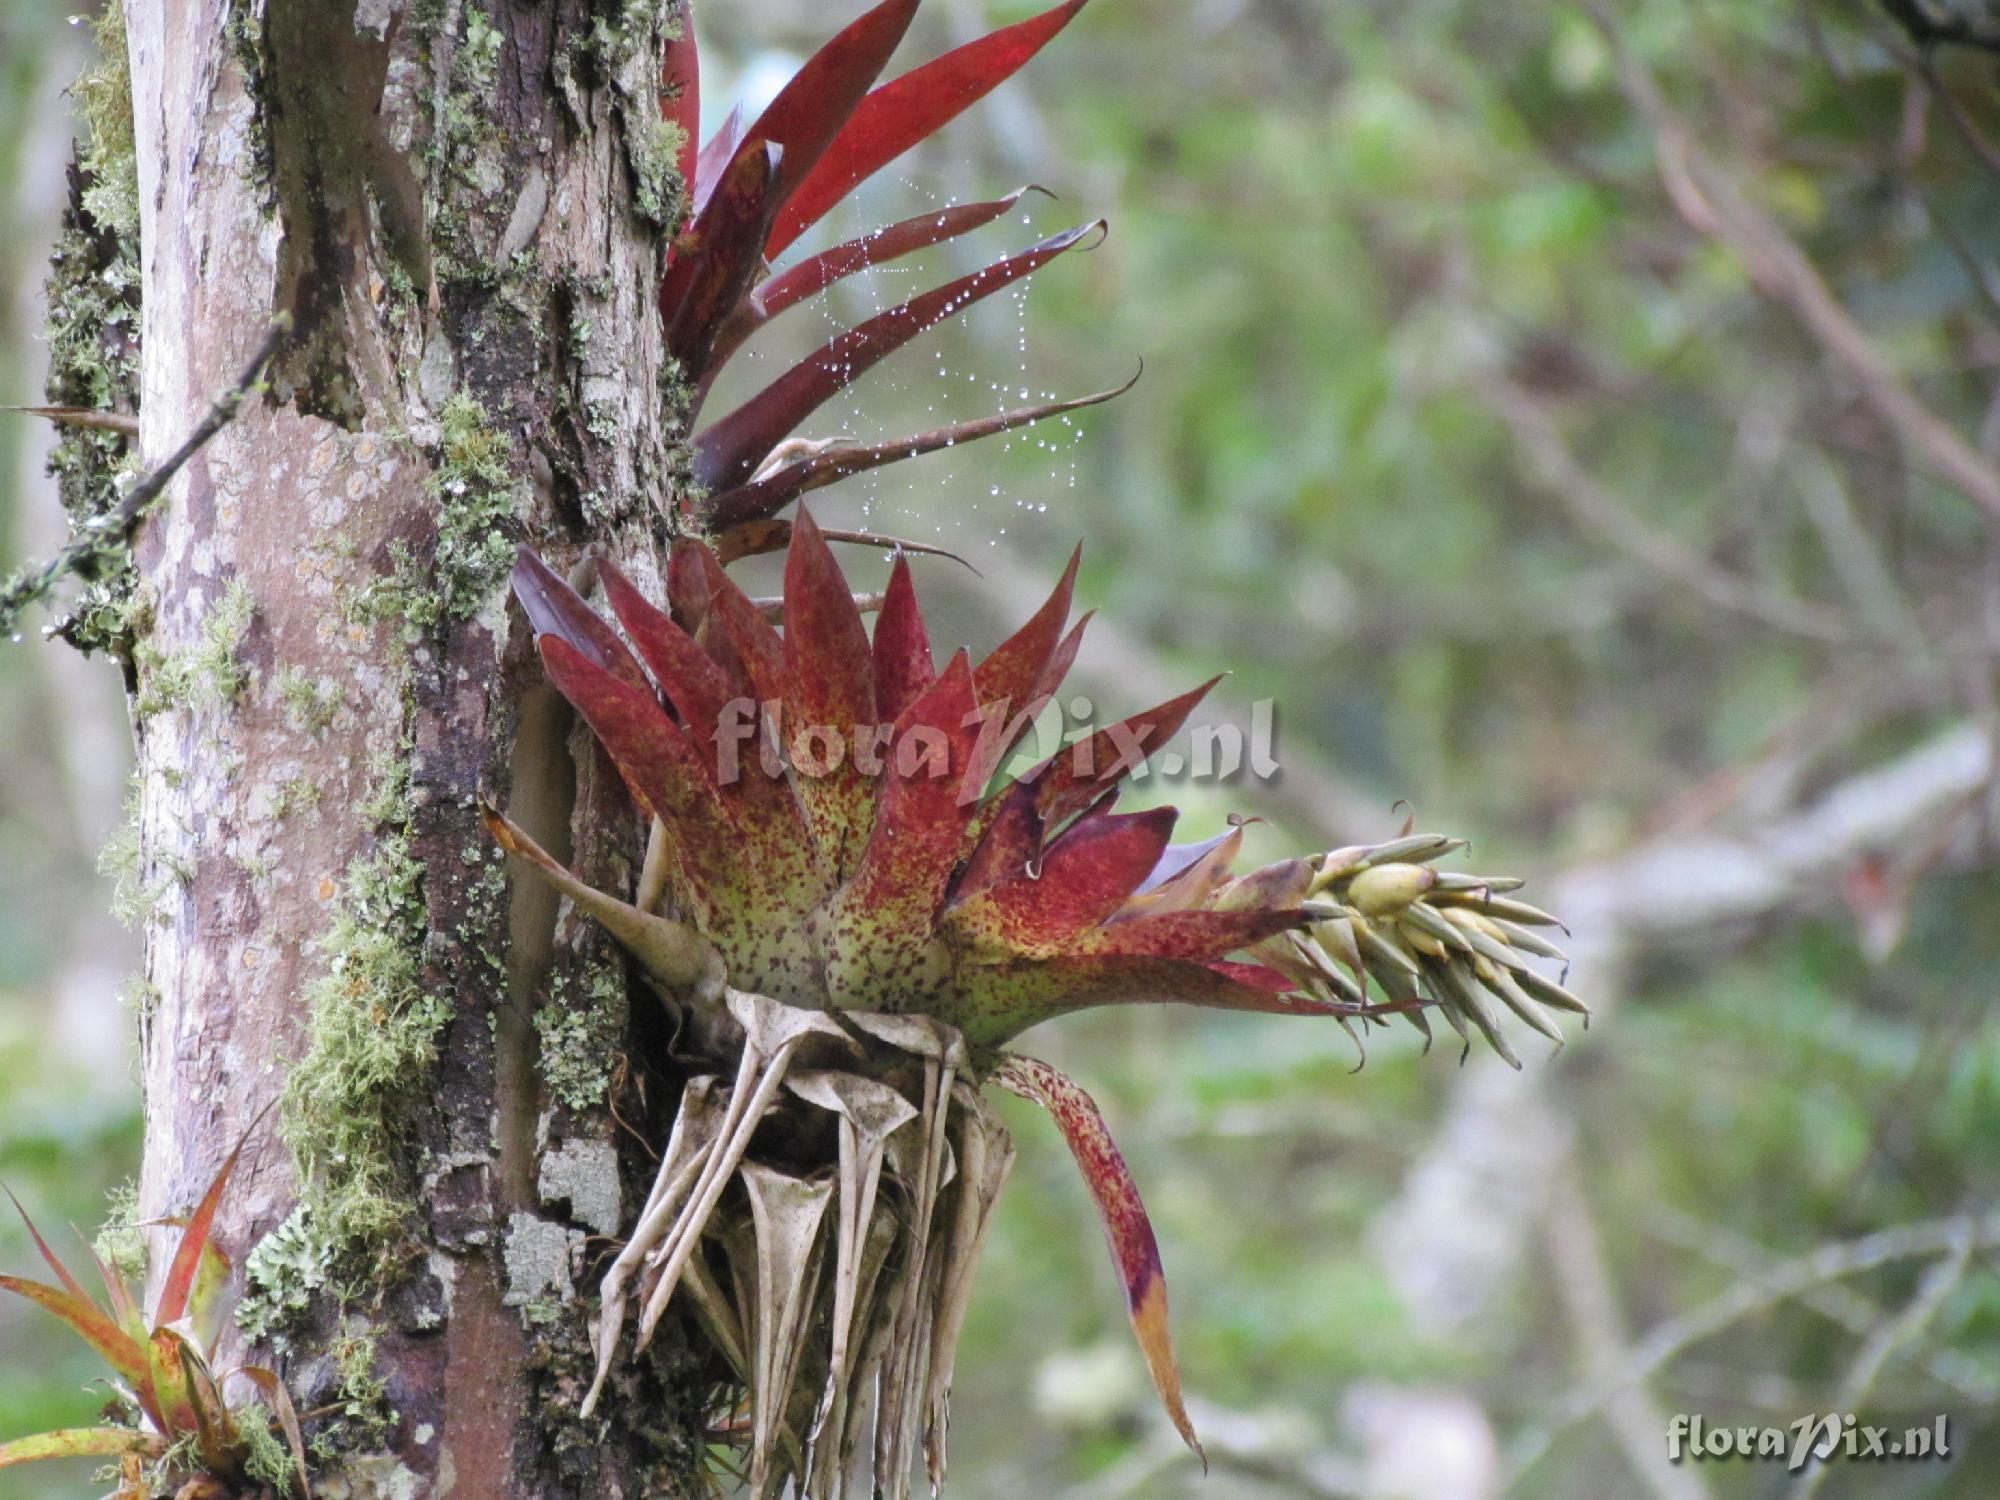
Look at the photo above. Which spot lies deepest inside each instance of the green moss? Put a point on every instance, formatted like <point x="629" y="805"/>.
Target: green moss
<point x="476" y="491"/>
<point x="110" y="153"/>
<point x="245" y="32"/>
<point x="134" y="899"/>
<point x="295" y="794"/>
<point x="371" y="1039"/>
<point x="362" y="1394"/>
<point x="310" y="703"/>
<point x="209" y="671"/>
<point x="121" y="1243"/>
<point x="652" y="149"/>
<point x="266" y="1459"/>
<point x="580" y="1038"/>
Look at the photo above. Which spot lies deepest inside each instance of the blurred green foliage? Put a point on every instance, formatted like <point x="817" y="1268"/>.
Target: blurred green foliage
<point x="1337" y="231"/>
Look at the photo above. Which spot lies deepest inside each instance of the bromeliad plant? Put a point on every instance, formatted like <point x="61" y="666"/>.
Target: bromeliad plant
<point x="754" y="190"/>
<point x="185" y="1439"/>
<point x="849" y="908"/>
<point x="844" y="895"/>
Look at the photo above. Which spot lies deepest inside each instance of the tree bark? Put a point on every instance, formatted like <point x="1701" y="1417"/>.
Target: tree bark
<point x="459" y="207"/>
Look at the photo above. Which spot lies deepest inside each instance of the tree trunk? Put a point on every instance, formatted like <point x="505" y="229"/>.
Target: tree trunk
<point x="459" y="207"/>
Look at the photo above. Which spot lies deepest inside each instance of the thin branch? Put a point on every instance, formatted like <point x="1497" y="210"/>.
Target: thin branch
<point x="111" y="533"/>
<point x="1839" y="1304"/>
<point x="1556" y="468"/>
<point x="1712" y="205"/>
<point x="1954" y="1237"/>
<point x="1583" y="1281"/>
<point x="1938" y="1283"/>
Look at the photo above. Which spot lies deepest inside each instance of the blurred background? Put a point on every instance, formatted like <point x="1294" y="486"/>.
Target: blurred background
<point x="1582" y="425"/>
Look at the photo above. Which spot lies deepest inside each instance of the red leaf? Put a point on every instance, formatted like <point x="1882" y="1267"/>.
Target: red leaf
<point x="554" y="608"/>
<point x="728" y="453"/>
<point x="826" y="645"/>
<point x="904" y="666"/>
<point x="815" y="274"/>
<point x="1129" y="1233"/>
<point x="717" y="154"/>
<point x="1062" y="659"/>
<point x="687" y="585"/>
<point x="771" y="494"/>
<point x="1086" y="877"/>
<point x="884" y="915"/>
<point x="680" y="93"/>
<point x="757" y="645"/>
<point x="1010" y="840"/>
<point x="901" y="113"/>
<point x="830" y="681"/>
<point x="810" y="111"/>
<point x="1008" y="677"/>
<point x="186" y="1264"/>
<point x="88" y="1321"/>
<point x="688" y="675"/>
<point x="70" y="1283"/>
<point x="1188" y="934"/>
<point x="1006" y="999"/>
<point x="1079" y="774"/>
<point x="667" y="775"/>
<point x="716" y="261"/>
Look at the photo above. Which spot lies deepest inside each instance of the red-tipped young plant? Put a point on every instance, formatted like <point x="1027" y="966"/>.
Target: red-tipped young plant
<point x="161" y="1368"/>
<point x="838" y="895"/>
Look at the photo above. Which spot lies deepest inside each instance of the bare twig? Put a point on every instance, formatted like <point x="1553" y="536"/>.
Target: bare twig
<point x="1710" y="202"/>
<point x="1583" y="1281"/>
<point x="1953" y="1238"/>
<point x="1938" y="1283"/>
<point x="1839" y="1304"/>
<point x="112" y="532"/>
<point x="1481" y="1173"/>
<point x="1557" y="470"/>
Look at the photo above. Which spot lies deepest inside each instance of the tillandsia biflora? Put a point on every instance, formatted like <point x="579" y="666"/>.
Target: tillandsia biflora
<point x="853" y="914"/>
<point x="180" y="1432"/>
<point x="847" y="906"/>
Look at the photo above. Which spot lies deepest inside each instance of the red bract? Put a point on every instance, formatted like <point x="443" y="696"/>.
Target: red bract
<point x="754" y="190"/>
<point x="827" y="819"/>
<point x="829" y="836"/>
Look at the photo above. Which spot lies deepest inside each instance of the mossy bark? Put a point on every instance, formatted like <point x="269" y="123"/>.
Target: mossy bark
<point x="458" y="203"/>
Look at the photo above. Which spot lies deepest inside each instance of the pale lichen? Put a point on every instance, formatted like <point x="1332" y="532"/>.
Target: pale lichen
<point x="584" y="1174"/>
<point x="536" y="1256"/>
<point x="93" y="332"/>
<point x="281" y="1275"/>
<point x="121" y="1242"/>
<point x="310" y="703"/>
<point x="580" y="1036"/>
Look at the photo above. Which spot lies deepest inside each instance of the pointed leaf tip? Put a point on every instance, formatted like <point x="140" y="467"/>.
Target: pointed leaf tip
<point x="904" y="663"/>
<point x="906" y="110"/>
<point x="1127" y="1230"/>
<point x="812" y="110"/>
<point x="730" y="451"/>
<point x="187" y="1262"/>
